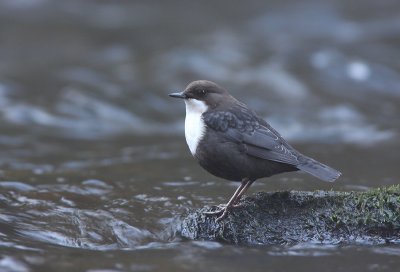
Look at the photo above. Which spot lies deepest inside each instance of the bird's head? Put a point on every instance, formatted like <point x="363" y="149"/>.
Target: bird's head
<point x="203" y="94"/>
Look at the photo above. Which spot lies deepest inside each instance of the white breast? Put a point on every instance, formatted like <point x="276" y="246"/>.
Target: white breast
<point x="194" y="124"/>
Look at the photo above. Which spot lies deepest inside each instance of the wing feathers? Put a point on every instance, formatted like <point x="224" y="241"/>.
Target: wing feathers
<point x="260" y="140"/>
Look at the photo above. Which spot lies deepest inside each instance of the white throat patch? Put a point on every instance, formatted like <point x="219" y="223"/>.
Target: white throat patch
<point x="194" y="124"/>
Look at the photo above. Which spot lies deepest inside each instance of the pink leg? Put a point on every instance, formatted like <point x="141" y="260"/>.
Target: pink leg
<point x="244" y="189"/>
<point x="234" y="199"/>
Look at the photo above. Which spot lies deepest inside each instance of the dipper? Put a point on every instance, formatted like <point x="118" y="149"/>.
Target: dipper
<point x="231" y="141"/>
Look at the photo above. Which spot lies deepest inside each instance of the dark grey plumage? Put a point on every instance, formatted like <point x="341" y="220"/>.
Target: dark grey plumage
<point x="250" y="135"/>
<point x="238" y="145"/>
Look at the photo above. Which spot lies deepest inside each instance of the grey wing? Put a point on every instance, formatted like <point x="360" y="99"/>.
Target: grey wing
<point x="257" y="137"/>
<point x="264" y="144"/>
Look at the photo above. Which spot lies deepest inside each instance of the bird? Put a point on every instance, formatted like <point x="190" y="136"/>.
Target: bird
<point x="233" y="142"/>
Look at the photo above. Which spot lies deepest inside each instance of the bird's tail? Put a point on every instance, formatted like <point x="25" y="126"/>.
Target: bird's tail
<point x="318" y="169"/>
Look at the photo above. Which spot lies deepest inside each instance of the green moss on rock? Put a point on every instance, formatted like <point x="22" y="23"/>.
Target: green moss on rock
<point x="297" y="217"/>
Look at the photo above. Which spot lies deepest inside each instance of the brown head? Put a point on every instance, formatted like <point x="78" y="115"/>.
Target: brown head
<point x="206" y="91"/>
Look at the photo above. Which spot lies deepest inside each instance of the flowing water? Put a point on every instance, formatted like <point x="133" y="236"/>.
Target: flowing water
<point x="94" y="170"/>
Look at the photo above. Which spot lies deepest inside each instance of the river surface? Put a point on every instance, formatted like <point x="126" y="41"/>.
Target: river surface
<point x="94" y="170"/>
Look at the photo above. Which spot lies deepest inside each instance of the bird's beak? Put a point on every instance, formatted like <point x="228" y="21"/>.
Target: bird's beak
<point x="178" y="95"/>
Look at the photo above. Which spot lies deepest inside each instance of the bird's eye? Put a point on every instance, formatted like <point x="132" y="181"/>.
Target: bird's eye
<point x="202" y="92"/>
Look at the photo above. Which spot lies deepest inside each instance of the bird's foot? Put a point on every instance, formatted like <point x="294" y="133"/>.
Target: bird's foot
<point x="223" y="212"/>
<point x="224" y="206"/>
<point x="216" y="212"/>
<point x="223" y="215"/>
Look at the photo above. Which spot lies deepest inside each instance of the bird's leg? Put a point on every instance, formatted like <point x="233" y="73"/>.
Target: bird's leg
<point x="242" y="191"/>
<point x="230" y="200"/>
<point x="230" y="203"/>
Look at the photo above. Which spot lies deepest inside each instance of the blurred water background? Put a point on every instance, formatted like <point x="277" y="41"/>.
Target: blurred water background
<point x="94" y="169"/>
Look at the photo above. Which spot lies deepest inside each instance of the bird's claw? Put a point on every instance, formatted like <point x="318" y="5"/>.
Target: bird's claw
<point x="217" y="212"/>
<point x="223" y="212"/>
<point x="223" y="215"/>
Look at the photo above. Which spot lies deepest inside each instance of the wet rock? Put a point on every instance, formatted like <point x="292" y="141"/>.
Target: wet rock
<point x="296" y="217"/>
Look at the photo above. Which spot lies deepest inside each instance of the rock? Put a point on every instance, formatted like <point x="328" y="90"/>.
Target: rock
<point x="297" y="217"/>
